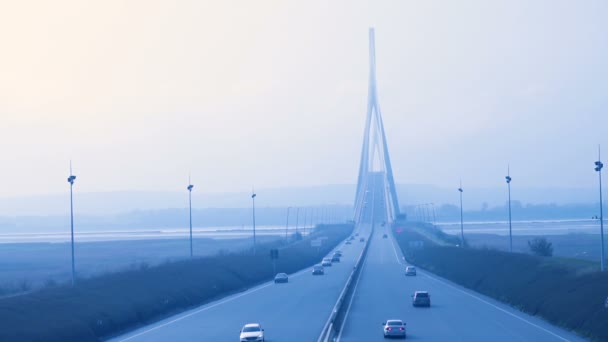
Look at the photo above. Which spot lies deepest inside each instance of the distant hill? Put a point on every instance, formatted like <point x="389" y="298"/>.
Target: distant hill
<point x="149" y="210"/>
<point x="112" y="203"/>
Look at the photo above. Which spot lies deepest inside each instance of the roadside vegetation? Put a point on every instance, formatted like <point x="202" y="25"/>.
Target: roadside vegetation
<point x="104" y="306"/>
<point x="541" y="247"/>
<point x="32" y="266"/>
<point x="551" y="288"/>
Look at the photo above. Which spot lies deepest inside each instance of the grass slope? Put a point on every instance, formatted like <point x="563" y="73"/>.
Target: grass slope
<point x="105" y="305"/>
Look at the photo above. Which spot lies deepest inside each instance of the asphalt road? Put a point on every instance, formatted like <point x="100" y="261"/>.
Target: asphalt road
<point x="456" y="314"/>
<point x="296" y="311"/>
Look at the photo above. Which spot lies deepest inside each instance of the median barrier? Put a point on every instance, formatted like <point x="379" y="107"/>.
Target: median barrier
<point x="334" y="321"/>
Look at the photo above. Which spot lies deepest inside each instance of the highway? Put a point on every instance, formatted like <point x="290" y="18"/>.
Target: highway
<point x="383" y="292"/>
<point x="296" y="311"/>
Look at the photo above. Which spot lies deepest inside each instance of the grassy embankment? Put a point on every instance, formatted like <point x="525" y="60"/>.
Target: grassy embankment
<point x="546" y="287"/>
<point x="102" y="306"/>
<point x="32" y="266"/>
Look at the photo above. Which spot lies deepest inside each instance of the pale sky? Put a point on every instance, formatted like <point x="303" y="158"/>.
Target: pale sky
<point x="273" y="93"/>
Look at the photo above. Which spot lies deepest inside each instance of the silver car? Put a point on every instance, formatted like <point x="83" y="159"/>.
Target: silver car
<point x="252" y="332"/>
<point x="410" y="271"/>
<point x="281" y="278"/>
<point x="393" y="328"/>
<point x="326" y="262"/>
<point x="421" y="298"/>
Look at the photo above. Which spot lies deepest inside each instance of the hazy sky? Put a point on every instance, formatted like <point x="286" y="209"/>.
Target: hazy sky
<point x="273" y="93"/>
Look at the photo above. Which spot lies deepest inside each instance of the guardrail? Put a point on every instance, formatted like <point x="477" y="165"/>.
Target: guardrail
<point x="337" y="313"/>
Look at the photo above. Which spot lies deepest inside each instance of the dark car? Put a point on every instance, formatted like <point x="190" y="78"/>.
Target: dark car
<point x="335" y="258"/>
<point x="361" y="239"/>
<point x="421" y="298"/>
<point x="318" y="270"/>
<point x="384" y="236"/>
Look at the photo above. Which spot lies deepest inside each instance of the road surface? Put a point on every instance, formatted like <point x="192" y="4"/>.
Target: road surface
<point x="456" y="314"/>
<point x="296" y="311"/>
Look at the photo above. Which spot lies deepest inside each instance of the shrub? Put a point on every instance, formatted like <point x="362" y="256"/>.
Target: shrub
<point x="541" y="247"/>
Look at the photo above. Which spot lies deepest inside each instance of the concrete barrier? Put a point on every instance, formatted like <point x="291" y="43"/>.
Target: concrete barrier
<point x="337" y="314"/>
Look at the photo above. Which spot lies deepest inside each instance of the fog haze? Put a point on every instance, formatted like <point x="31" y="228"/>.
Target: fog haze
<point x="273" y="94"/>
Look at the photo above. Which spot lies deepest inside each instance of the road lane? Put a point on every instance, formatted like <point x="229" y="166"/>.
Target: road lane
<point x="295" y="311"/>
<point x="456" y="313"/>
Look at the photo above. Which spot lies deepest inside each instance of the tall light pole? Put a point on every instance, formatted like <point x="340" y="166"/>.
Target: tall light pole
<point x="190" y="186"/>
<point x="297" y="219"/>
<point x="287" y="223"/>
<point x="598" y="167"/>
<point x="253" y="206"/>
<point x="311" y="222"/>
<point x="508" y="179"/>
<point x="304" y="227"/>
<point x="434" y="218"/>
<point x="461" y="221"/>
<point x="71" y="180"/>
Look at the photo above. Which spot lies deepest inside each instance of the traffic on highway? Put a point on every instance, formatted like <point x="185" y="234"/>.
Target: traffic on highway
<point x="391" y="299"/>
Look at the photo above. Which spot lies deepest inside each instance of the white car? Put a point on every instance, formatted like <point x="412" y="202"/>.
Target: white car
<point x="252" y="332"/>
<point x="410" y="271"/>
<point x="281" y="278"/>
<point x="393" y="328"/>
<point x="326" y="262"/>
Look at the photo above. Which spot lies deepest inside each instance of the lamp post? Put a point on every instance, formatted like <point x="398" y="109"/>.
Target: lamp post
<point x="71" y="180"/>
<point x="297" y="219"/>
<point x="287" y="223"/>
<point x="598" y="167"/>
<point x="508" y="179"/>
<point x="304" y="227"/>
<point x="312" y="225"/>
<point x="461" y="221"/>
<point x="434" y="218"/>
<point x="253" y="206"/>
<point x="190" y="187"/>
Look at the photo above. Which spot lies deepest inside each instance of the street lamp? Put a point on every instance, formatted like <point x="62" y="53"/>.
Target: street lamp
<point x="461" y="221"/>
<point x="287" y="222"/>
<point x="508" y="179"/>
<point x="71" y="180"/>
<point x="434" y="218"/>
<point x="253" y="205"/>
<point x="190" y="186"/>
<point x="312" y="224"/>
<point x="598" y="167"/>
<point x="304" y="227"/>
<point x="297" y="219"/>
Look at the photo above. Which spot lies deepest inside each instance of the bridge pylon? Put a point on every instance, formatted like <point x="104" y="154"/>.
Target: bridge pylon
<point x="375" y="184"/>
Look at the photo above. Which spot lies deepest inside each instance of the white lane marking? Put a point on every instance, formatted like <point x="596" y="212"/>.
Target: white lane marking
<point x="350" y="303"/>
<point x="210" y="306"/>
<point x="196" y="312"/>
<point x="395" y="250"/>
<point x="486" y="302"/>
<point x="497" y="307"/>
